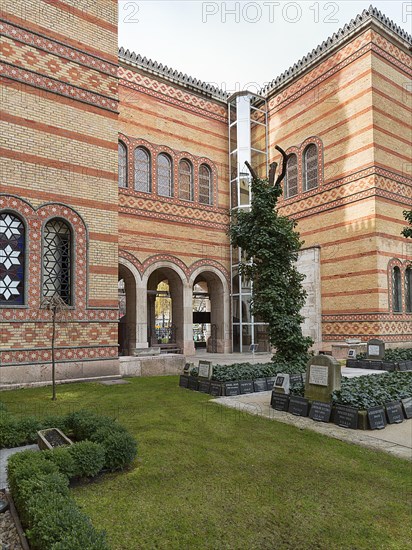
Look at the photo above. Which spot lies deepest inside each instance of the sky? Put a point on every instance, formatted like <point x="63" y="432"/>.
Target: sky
<point x="238" y="45"/>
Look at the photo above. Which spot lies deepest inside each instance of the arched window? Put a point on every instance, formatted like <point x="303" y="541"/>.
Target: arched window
<point x="291" y="182"/>
<point x="205" y="184"/>
<point x="408" y="289"/>
<point x="142" y="175"/>
<point x="310" y="167"/>
<point x="12" y="252"/>
<point x="122" y="165"/>
<point x="396" y="289"/>
<point x="185" y="180"/>
<point x="164" y="176"/>
<point x="57" y="260"/>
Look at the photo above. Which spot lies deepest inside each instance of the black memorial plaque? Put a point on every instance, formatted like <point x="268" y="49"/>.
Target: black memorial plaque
<point x="204" y="386"/>
<point x="260" y="384"/>
<point x="295" y="379"/>
<point x="388" y="365"/>
<point x="231" y="388"/>
<point x="407" y="406"/>
<point x="270" y="380"/>
<point x="184" y="381"/>
<point x="346" y="416"/>
<point x="377" y="418"/>
<point x="376" y="365"/>
<point x="320" y="411"/>
<point x="394" y="412"/>
<point x="403" y="366"/>
<point x="246" y="386"/>
<point x="193" y="383"/>
<point x="215" y="389"/>
<point x="279" y="401"/>
<point x="352" y="363"/>
<point x="299" y="406"/>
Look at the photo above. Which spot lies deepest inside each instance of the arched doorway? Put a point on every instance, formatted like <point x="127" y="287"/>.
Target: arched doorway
<point x="127" y="311"/>
<point x="211" y="310"/>
<point x="165" y="310"/>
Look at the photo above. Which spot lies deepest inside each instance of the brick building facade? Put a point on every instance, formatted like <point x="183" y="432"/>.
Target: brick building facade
<point x="115" y="167"/>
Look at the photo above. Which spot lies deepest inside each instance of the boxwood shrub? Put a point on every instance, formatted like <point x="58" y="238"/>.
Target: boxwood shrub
<point x="39" y="481"/>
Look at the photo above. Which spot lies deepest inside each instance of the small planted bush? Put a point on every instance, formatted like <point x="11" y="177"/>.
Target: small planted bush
<point x="88" y="458"/>
<point x="56" y="520"/>
<point x="85" y="423"/>
<point x="247" y="371"/>
<point x="63" y="459"/>
<point x="119" y="446"/>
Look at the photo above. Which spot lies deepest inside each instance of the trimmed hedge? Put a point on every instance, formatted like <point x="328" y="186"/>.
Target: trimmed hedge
<point x="39" y="481"/>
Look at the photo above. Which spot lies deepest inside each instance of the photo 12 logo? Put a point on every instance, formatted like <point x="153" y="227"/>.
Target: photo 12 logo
<point x="269" y="12"/>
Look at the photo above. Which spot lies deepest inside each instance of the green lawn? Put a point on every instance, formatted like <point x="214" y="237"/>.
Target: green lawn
<point x="208" y="477"/>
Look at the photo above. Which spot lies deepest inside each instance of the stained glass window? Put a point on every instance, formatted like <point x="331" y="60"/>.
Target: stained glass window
<point x="397" y="289"/>
<point x="408" y="289"/>
<point x="142" y="176"/>
<point x="310" y="167"/>
<point x="185" y="180"/>
<point x="291" y="183"/>
<point x="205" y="184"/>
<point x="57" y="260"/>
<point x="122" y="165"/>
<point x="164" y="176"/>
<point x="12" y="249"/>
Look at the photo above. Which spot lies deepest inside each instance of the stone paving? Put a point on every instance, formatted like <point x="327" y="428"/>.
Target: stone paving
<point x="4" y="456"/>
<point x="395" y="439"/>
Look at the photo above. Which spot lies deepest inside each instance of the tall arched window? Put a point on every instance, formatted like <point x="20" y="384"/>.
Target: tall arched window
<point x="408" y="289"/>
<point x="205" y="184"/>
<point x="57" y="260"/>
<point x="122" y="165"/>
<point x="185" y="180"/>
<point x="396" y="289"/>
<point x="12" y="252"/>
<point x="310" y="167"/>
<point x="164" y="176"/>
<point x="142" y="172"/>
<point x="291" y="182"/>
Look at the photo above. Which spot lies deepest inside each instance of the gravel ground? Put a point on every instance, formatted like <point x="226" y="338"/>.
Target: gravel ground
<point x="9" y="539"/>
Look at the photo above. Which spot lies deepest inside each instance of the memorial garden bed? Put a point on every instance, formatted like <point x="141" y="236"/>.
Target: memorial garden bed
<point x="397" y="359"/>
<point x="365" y="402"/>
<point x="241" y="378"/>
<point x="39" y="481"/>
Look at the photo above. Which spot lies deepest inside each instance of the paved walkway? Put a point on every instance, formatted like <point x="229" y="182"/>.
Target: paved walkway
<point x="4" y="456"/>
<point x="395" y="439"/>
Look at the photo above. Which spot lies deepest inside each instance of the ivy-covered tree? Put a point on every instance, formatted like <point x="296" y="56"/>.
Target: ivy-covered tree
<point x="270" y="248"/>
<point x="407" y="232"/>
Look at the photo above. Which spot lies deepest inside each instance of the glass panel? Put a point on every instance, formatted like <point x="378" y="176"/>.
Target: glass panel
<point x="142" y="170"/>
<point x="262" y="338"/>
<point x="164" y="176"/>
<point x="291" y="181"/>
<point x="246" y="337"/>
<point x="185" y="180"/>
<point x="233" y="166"/>
<point x="232" y="112"/>
<point x="235" y="309"/>
<point x="259" y="163"/>
<point x="57" y="260"/>
<point x="408" y="289"/>
<point x="122" y="160"/>
<point x="233" y="137"/>
<point x="205" y="184"/>
<point x="244" y="189"/>
<point x="12" y="249"/>
<point x="236" y="338"/>
<point x="397" y="290"/>
<point x="311" y="167"/>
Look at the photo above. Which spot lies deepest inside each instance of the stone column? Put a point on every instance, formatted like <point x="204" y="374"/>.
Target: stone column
<point x="141" y="318"/>
<point x="186" y="342"/>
